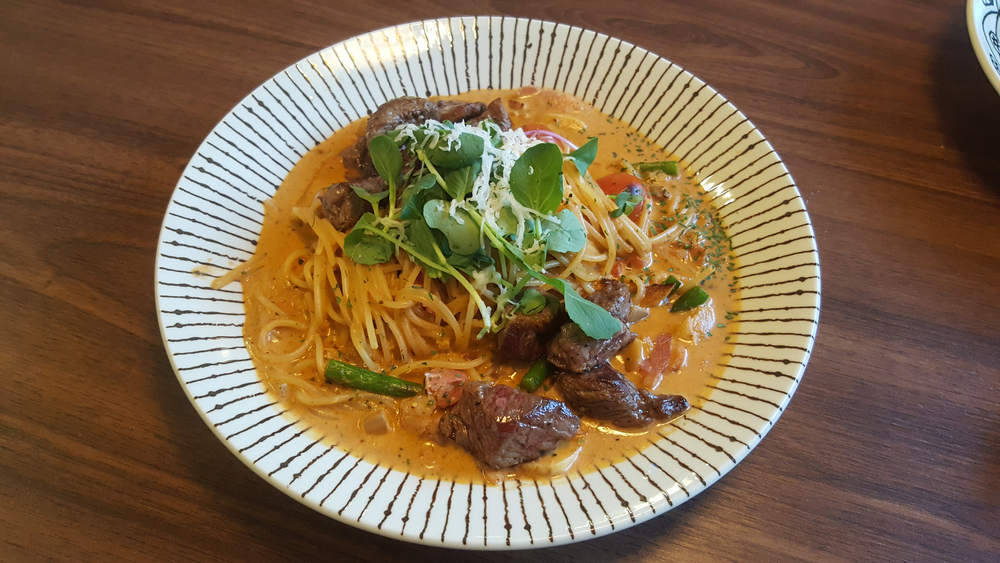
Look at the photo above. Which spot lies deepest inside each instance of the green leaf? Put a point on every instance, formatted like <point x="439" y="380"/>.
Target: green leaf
<point x="365" y="247"/>
<point x="594" y="320"/>
<point x="420" y="237"/>
<point x="584" y="156"/>
<point x="676" y="283"/>
<point x="372" y="198"/>
<point x="418" y="193"/>
<point x="423" y="183"/>
<point x="385" y="155"/>
<point x="626" y="202"/>
<point x="461" y="230"/>
<point x="458" y="183"/>
<point x="532" y="301"/>
<point x="535" y="259"/>
<point x="566" y="236"/>
<point x="471" y="150"/>
<point x="494" y="132"/>
<point x="399" y="139"/>
<point x="471" y="262"/>
<point x="507" y="221"/>
<point x="536" y="178"/>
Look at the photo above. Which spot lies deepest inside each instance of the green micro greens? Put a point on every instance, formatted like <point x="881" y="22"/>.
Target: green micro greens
<point x="626" y="201"/>
<point x="460" y="200"/>
<point x="388" y="163"/>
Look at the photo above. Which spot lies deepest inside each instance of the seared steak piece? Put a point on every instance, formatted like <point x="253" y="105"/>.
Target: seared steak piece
<point x="496" y="112"/>
<point x="572" y="350"/>
<point x="523" y="337"/>
<point x="605" y="394"/>
<point x="458" y="111"/>
<point x="342" y="207"/>
<point x="502" y="426"/>
<point x="400" y="111"/>
<point x="615" y="297"/>
<point x="397" y="112"/>
<point x="357" y="159"/>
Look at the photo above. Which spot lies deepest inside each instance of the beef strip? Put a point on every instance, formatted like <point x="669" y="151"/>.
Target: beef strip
<point x="572" y="350"/>
<point x="615" y="297"/>
<point x="401" y="111"/>
<point x="502" y="426"/>
<point x="358" y="161"/>
<point x="605" y="394"/>
<point x="342" y="207"/>
<point x="495" y="112"/>
<point x="459" y="111"/>
<point x="524" y="336"/>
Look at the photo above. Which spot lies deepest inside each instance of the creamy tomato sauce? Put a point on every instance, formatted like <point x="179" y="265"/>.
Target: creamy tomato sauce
<point x="700" y="336"/>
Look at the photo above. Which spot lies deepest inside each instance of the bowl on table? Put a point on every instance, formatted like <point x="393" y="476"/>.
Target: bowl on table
<point x="984" y="31"/>
<point x="215" y="216"/>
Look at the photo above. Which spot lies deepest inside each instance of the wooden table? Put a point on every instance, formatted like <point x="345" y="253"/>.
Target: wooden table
<point x="890" y="450"/>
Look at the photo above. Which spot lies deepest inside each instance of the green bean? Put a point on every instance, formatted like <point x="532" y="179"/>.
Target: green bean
<point x="367" y="380"/>
<point x="666" y="166"/>
<point x="536" y="375"/>
<point x="674" y="282"/>
<point x="690" y="299"/>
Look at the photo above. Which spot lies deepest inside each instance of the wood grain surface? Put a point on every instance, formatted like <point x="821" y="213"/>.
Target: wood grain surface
<point x="890" y="450"/>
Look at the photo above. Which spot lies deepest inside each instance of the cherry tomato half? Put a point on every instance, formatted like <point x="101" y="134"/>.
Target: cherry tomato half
<point x="614" y="184"/>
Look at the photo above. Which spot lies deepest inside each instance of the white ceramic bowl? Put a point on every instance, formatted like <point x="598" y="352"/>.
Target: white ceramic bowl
<point x="984" y="31"/>
<point x="215" y="214"/>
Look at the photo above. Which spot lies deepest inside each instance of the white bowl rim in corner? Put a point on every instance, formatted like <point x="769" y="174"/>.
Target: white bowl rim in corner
<point x="980" y="14"/>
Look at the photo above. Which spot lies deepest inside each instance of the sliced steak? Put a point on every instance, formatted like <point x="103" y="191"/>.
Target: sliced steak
<point x="398" y="112"/>
<point x="459" y="111"/>
<point x="615" y="297"/>
<point x="573" y="350"/>
<point x="342" y="207"/>
<point x="401" y="111"/>
<point x="495" y="112"/>
<point x="605" y="394"/>
<point x="357" y="159"/>
<point x="502" y="426"/>
<point x="524" y="336"/>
